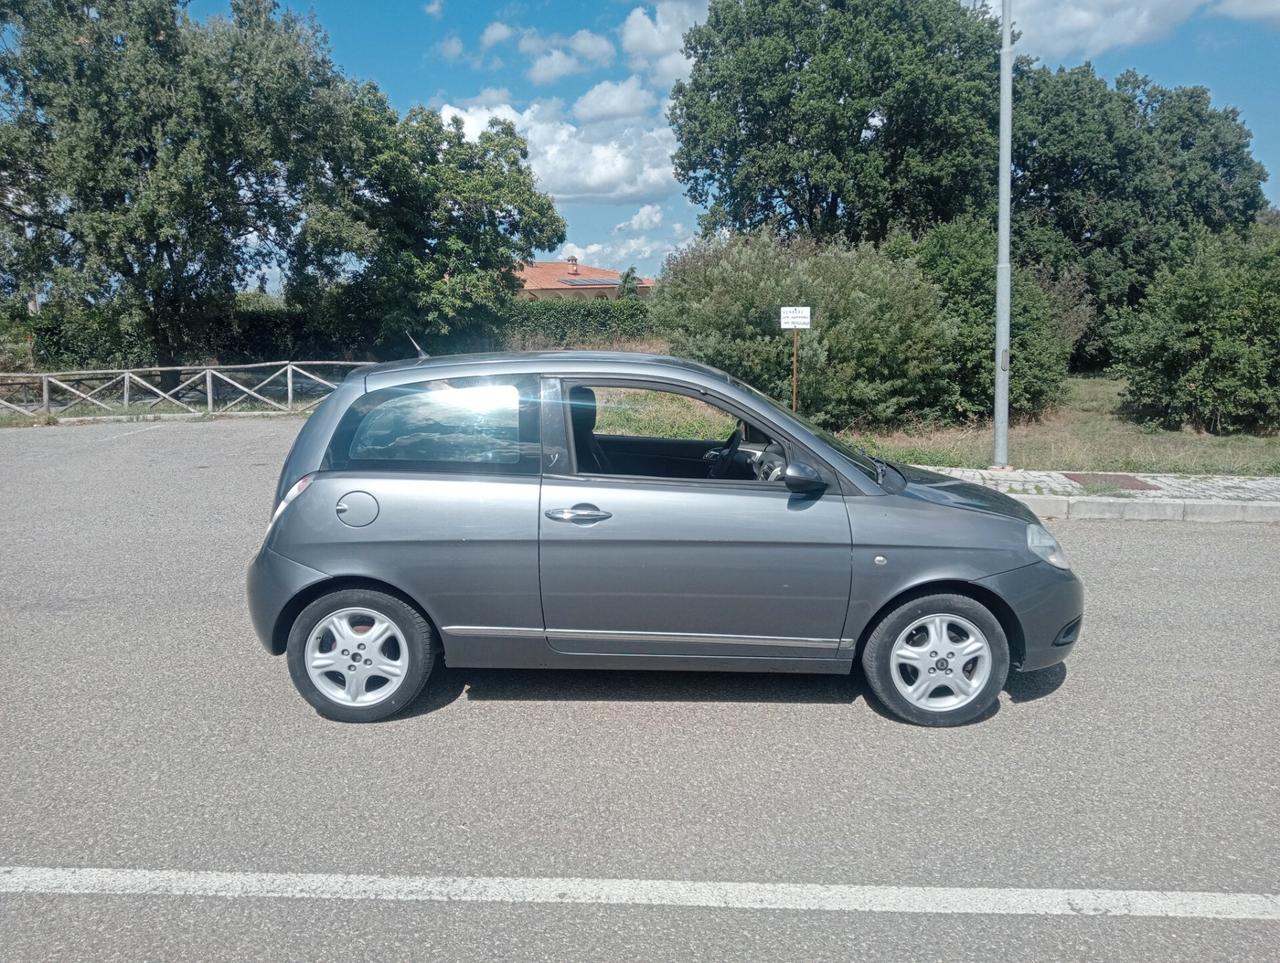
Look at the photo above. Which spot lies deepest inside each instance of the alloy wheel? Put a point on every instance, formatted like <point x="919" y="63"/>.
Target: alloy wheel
<point x="356" y="657"/>
<point x="940" y="662"/>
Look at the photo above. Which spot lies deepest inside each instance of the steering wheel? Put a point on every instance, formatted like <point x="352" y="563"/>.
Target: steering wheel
<point x="724" y="458"/>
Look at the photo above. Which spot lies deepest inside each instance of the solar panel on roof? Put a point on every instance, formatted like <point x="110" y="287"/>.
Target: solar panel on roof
<point x="580" y="282"/>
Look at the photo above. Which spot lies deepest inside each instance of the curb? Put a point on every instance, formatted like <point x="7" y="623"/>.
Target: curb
<point x="1151" y="509"/>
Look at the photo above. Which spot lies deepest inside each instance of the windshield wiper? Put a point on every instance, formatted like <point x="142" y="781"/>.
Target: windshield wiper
<point x="880" y="464"/>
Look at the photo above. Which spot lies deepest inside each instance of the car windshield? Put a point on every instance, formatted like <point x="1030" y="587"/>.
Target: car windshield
<point x="851" y="453"/>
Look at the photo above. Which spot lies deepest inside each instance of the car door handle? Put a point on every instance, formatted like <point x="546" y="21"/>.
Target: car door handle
<point x="582" y="514"/>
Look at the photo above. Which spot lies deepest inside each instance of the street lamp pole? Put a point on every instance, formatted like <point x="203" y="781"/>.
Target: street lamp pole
<point x="1003" y="272"/>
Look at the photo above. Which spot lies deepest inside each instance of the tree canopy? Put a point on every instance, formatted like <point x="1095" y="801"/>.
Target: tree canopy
<point x="853" y="120"/>
<point x="152" y="165"/>
<point x="838" y="119"/>
<point x="1107" y="179"/>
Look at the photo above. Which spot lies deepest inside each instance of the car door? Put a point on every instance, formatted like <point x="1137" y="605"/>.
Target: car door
<point x="647" y="565"/>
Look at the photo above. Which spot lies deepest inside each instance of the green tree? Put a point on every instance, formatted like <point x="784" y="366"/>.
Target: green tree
<point x="166" y="160"/>
<point x="151" y="167"/>
<point x="960" y="258"/>
<point x="629" y="284"/>
<point x="853" y="120"/>
<point x="838" y="120"/>
<point x="1108" y="179"/>
<point x="421" y="230"/>
<point x="1204" y="348"/>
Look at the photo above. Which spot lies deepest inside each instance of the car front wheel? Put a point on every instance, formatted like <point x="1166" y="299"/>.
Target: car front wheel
<point x="359" y="655"/>
<point x="938" y="660"/>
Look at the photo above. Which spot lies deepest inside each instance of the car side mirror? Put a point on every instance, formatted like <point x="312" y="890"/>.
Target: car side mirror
<point x="802" y="478"/>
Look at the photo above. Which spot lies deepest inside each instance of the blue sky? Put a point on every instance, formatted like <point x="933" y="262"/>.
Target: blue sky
<point x="587" y="83"/>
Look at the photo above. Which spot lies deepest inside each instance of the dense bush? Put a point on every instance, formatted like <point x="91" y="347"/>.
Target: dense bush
<point x="879" y="350"/>
<point x="572" y="321"/>
<point x="70" y="332"/>
<point x="960" y="258"/>
<point x="1204" y="347"/>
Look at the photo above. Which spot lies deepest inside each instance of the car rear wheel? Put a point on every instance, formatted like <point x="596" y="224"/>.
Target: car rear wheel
<point x="358" y="655"/>
<point x="938" y="660"/>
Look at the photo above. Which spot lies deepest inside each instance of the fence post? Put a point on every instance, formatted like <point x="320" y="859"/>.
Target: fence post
<point x="44" y="393"/>
<point x="126" y="392"/>
<point x="288" y="378"/>
<point x="208" y="389"/>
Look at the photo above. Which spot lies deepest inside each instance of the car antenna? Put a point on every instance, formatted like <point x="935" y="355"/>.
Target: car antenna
<point x="417" y="347"/>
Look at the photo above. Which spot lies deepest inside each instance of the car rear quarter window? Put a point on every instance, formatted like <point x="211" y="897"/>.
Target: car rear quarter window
<point x="468" y="425"/>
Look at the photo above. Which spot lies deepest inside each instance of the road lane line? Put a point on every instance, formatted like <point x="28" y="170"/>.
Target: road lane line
<point x="56" y="881"/>
<point x="126" y="434"/>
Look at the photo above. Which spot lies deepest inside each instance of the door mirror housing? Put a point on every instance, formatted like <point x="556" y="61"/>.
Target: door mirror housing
<point x="803" y="479"/>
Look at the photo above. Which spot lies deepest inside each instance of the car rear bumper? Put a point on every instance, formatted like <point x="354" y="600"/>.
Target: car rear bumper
<point x="272" y="584"/>
<point x="1049" y="605"/>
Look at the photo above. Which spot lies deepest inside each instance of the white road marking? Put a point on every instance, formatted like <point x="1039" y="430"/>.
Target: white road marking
<point x="643" y="892"/>
<point x="136" y="431"/>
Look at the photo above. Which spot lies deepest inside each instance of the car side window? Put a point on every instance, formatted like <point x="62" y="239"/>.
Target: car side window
<point x="650" y="432"/>
<point x="467" y="425"/>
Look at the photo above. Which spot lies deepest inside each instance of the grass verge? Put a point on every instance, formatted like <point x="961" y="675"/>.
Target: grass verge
<point x="1084" y="434"/>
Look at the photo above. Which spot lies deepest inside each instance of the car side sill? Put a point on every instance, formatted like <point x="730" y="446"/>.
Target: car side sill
<point x="563" y="639"/>
<point x="482" y="646"/>
<point x="547" y="658"/>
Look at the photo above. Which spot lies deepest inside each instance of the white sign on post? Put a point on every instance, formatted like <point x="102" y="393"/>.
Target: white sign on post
<point x="795" y="318"/>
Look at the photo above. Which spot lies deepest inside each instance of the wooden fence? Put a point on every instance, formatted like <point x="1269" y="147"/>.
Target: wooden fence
<point x="195" y="389"/>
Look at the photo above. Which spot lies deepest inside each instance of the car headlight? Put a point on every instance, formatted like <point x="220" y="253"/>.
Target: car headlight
<point x="1046" y="546"/>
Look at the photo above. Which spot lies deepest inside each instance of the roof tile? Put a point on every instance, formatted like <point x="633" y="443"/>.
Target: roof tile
<point x="545" y="275"/>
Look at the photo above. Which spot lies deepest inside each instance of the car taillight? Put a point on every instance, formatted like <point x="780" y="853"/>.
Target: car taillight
<point x="298" y="488"/>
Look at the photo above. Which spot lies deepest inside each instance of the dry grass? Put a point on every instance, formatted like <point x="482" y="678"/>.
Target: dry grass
<point x="658" y="414"/>
<point x="653" y="345"/>
<point x="1085" y="434"/>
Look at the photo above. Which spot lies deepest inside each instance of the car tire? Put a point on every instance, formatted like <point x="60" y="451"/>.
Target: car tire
<point x="937" y="660"/>
<point x="339" y="667"/>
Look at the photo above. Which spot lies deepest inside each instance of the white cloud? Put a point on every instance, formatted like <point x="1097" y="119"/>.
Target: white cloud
<point x="434" y="9"/>
<point x="496" y="33"/>
<point x="450" y="48"/>
<point x="556" y="56"/>
<point x="619" y="256"/>
<point x="609" y="100"/>
<point x="489" y="97"/>
<point x="591" y="46"/>
<point x="631" y="163"/>
<point x="531" y="43"/>
<point x="646" y="218"/>
<point x="1268" y="10"/>
<point x="653" y="42"/>
<point x="552" y="65"/>
<point x="1053" y="28"/>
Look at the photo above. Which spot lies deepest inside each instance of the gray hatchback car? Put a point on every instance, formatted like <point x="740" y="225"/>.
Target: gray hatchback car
<point x="626" y="511"/>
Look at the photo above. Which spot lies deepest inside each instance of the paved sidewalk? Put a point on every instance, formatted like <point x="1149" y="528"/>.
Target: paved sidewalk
<point x="1208" y="498"/>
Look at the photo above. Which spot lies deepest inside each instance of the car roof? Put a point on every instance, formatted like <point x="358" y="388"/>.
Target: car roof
<point x="592" y="362"/>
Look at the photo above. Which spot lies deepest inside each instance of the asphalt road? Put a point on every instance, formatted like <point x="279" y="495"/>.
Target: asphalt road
<point x="142" y="727"/>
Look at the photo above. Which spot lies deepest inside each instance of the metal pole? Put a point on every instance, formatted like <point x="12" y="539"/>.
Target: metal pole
<point x="288" y="377"/>
<point x="208" y="390"/>
<point x="795" y="367"/>
<point x="1001" y="459"/>
<point x="126" y="392"/>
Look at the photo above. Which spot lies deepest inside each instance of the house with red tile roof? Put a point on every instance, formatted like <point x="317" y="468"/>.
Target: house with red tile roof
<point x="542" y="280"/>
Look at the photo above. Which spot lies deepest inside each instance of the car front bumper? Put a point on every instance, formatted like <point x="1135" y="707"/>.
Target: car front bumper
<point x="1049" y="605"/>
<point x="273" y="582"/>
